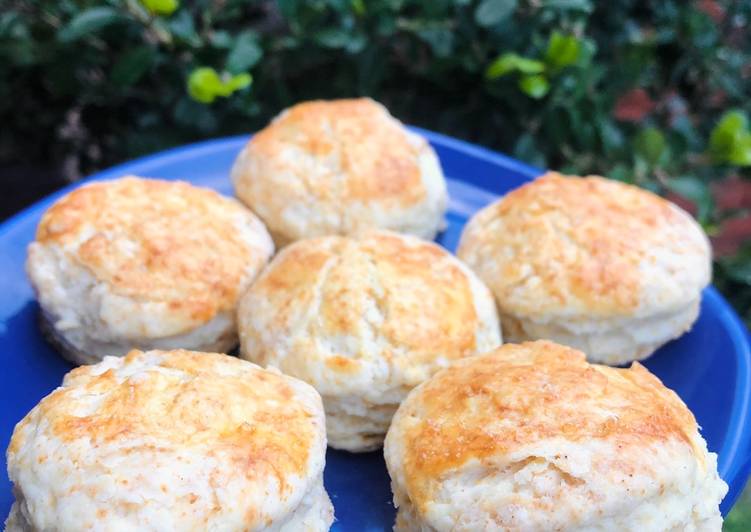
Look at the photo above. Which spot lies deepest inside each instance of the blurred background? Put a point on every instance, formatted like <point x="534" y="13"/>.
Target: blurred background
<point x="655" y="93"/>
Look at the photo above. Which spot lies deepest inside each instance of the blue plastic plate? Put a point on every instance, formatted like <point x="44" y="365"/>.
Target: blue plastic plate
<point x="710" y="367"/>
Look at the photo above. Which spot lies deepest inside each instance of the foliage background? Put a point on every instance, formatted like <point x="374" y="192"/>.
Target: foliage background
<point x="629" y="89"/>
<point x="653" y="92"/>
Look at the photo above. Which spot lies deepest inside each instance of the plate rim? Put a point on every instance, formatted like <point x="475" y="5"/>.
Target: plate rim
<point x="736" y="450"/>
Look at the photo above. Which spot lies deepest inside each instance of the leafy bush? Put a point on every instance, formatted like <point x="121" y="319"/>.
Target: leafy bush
<point x="652" y="92"/>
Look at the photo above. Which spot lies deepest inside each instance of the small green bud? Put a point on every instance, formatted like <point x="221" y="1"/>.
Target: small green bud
<point x="534" y="86"/>
<point x="563" y="50"/>
<point x="730" y="140"/>
<point x="205" y="84"/>
<point x="511" y="62"/>
<point x="650" y="144"/>
<point x="161" y="7"/>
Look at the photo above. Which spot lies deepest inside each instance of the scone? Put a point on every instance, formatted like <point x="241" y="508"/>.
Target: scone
<point x="143" y="263"/>
<point x="531" y="437"/>
<point x="171" y="440"/>
<point x="364" y="319"/>
<point x="605" y="267"/>
<point x="337" y="167"/>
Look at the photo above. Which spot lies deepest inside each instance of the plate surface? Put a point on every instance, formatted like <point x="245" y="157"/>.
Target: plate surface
<point x="710" y="367"/>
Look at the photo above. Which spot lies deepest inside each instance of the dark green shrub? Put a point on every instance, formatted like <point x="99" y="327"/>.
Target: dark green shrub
<point x="633" y="90"/>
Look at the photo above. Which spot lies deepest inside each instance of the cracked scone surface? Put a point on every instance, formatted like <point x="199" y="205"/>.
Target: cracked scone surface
<point x="605" y="267"/>
<point x="145" y="263"/>
<point x="171" y="440"/>
<point x="365" y="319"/>
<point x="531" y="437"/>
<point x="337" y="167"/>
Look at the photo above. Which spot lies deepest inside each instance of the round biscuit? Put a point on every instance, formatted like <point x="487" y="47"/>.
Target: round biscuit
<point x="338" y="167"/>
<point x="144" y="263"/>
<point x="171" y="440"/>
<point x="603" y="266"/>
<point x="364" y="319"/>
<point x="532" y="437"/>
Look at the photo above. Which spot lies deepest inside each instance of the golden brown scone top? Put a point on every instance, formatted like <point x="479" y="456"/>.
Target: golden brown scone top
<point x="183" y="401"/>
<point x="586" y="246"/>
<point x="422" y="294"/>
<point x="491" y="405"/>
<point x="158" y="241"/>
<point x="358" y="138"/>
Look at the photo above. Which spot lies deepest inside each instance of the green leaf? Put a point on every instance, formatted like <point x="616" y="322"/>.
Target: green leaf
<point x="563" y="50"/>
<point x="620" y="172"/>
<point x="87" y="22"/>
<point x="730" y="140"/>
<point x="221" y="39"/>
<point x="184" y="29"/>
<point x="18" y="53"/>
<point x="332" y="38"/>
<point x="385" y="26"/>
<point x="731" y="122"/>
<point x="236" y="83"/>
<point x="190" y="113"/>
<point x="356" y="44"/>
<point x="527" y="150"/>
<point x="650" y="144"/>
<point x="205" y="85"/>
<point x="740" y="272"/>
<point x="288" y="8"/>
<point x="535" y="86"/>
<point x="440" y="40"/>
<point x="13" y="26"/>
<point x="695" y="190"/>
<point x="587" y="51"/>
<point x="686" y="130"/>
<point x="161" y="7"/>
<point x="358" y="6"/>
<point x="338" y="5"/>
<point x="17" y="47"/>
<point x="132" y="65"/>
<point x="511" y="62"/>
<point x="740" y="155"/>
<point x="579" y="5"/>
<point x="610" y="135"/>
<point x="738" y="268"/>
<point x="245" y="53"/>
<point x="491" y="12"/>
